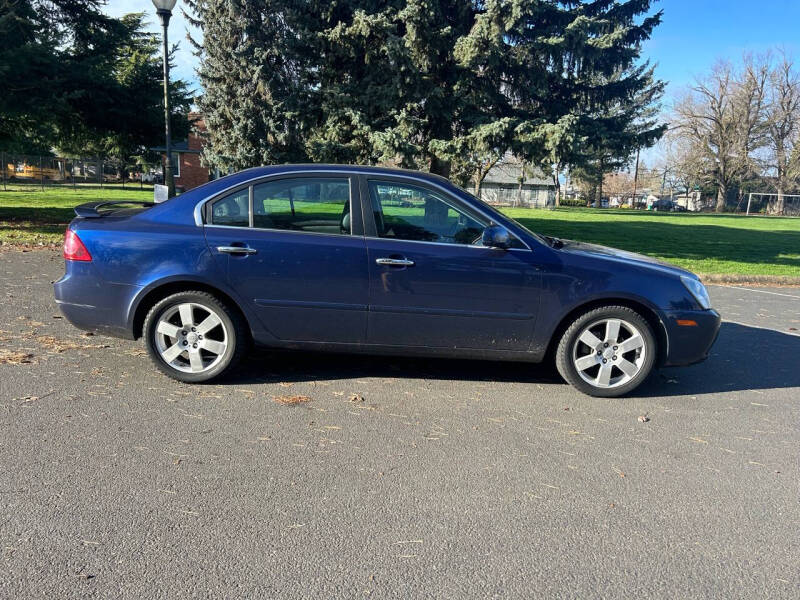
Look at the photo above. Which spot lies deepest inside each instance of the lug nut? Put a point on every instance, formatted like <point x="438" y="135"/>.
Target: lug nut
<point x="194" y="345"/>
<point x="185" y="343"/>
<point x="604" y="361"/>
<point x="615" y="347"/>
<point x="605" y="345"/>
<point x="183" y="333"/>
<point x="614" y="357"/>
<point x="193" y="329"/>
<point x="599" y="353"/>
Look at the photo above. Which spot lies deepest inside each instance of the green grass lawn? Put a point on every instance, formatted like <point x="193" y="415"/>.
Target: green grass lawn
<point x="29" y="215"/>
<point x="705" y="243"/>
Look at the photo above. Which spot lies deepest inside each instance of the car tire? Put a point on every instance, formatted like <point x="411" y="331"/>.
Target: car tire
<point x="607" y="352"/>
<point x="196" y="344"/>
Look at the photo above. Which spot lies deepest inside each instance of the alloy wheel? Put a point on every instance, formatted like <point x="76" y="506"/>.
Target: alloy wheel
<point x="609" y="353"/>
<point x="191" y="337"/>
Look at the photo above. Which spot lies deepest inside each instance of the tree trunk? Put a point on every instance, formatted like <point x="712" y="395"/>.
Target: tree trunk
<point x="722" y="197"/>
<point x="776" y="204"/>
<point x="440" y="167"/>
<point x="557" y="201"/>
<point x="598" y="193"/>
<point x="778" y="207"/>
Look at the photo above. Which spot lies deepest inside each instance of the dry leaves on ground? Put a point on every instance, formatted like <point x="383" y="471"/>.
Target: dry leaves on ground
<point x="289" y="400"/>
<point x="13" y="357"/>
<point x="56" y="345"/>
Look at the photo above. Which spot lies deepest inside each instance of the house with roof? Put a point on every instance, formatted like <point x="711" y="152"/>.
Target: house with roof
<point x="510" y="183"/>
<point x="186" y="168"/>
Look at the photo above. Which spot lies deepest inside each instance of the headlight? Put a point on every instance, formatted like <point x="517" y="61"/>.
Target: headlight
<point x="698" y="290"/>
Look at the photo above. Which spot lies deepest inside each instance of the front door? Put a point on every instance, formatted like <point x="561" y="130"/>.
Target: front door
<point x="293" y="252"/>
<point x="431" y="282"/>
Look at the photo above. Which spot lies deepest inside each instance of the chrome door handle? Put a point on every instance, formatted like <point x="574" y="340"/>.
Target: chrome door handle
<point x="236" y="250"/>
<point x="395" y="262"/>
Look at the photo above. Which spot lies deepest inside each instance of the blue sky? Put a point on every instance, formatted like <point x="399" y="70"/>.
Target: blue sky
<point x="694" y="34"/>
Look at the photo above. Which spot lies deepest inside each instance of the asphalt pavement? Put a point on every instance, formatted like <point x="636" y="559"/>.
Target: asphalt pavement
<point x="398" y="478"/>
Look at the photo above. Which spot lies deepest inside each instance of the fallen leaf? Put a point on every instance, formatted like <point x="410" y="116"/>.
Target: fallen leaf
<point x="11" y="357"/>
<point x="289" y="400"/>
<point x="356" y="398"/>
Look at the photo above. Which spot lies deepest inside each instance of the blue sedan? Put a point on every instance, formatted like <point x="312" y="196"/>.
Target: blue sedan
<point x="367" y="259"/>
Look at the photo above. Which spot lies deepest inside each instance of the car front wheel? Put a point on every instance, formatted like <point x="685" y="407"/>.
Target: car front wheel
<point x="607" y="352"/>
<point x="194" y="337"/>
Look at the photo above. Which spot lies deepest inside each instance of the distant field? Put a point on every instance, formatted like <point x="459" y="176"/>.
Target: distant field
<point x="704" y="243"/>
<point x="29" y="215"/>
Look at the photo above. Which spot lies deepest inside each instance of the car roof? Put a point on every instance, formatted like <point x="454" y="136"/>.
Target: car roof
<point x="265" y="171"/>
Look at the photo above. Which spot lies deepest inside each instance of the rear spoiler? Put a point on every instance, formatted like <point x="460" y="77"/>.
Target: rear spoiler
<point x="91" y="210"/>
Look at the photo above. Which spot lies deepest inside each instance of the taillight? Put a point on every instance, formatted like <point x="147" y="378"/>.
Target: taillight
<point x="74" y="248"/>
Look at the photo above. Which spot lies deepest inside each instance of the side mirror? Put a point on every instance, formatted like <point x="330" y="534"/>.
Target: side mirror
<point x="495" y="236"/>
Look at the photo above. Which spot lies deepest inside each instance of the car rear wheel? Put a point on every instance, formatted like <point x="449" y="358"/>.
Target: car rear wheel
<point x="607" y="352"/>
<point x="194" y="337"/>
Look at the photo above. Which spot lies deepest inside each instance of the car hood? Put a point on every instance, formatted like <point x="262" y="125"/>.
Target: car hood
<point x="622" y="256"/>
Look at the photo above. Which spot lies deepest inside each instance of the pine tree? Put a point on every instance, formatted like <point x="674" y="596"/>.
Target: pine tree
<point x="444" y="85"/>
<point x="76" y="79"/>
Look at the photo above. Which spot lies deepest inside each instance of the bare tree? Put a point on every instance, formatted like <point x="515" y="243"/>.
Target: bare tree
<point x="783" y="127"/>
<point x="683" y="161"/>
<point x="723" y="118"/>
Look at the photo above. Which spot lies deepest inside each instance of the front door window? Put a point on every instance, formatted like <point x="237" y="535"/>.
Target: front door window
<point x="412" y="213"/>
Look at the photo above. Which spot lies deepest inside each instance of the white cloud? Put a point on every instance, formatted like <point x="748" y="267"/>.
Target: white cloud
<point x="185" y="62"/>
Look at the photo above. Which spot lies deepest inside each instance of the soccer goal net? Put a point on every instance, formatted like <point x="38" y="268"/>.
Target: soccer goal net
<point x="770" y="203"/>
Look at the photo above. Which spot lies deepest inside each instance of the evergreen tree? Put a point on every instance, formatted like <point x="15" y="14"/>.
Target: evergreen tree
<point x="129" y="113"/>
<point x="447" y="85"/>
<point x="79" y="80"/>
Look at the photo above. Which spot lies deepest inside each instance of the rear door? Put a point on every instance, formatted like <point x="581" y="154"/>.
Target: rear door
<point x="431" y="282"/>
<point x="293" y="248"/>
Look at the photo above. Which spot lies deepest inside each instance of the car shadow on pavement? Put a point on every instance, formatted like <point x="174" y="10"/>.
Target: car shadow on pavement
<point x="743" y="358"/>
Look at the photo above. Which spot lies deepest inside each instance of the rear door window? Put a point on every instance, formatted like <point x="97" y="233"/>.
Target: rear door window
<point x="233" y="210"/>
<point x="308" y="204"/>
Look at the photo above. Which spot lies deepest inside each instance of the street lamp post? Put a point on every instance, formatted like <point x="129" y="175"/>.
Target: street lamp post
<point x="164" y="12"/>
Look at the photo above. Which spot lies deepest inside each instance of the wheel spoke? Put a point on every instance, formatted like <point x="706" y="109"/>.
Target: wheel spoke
<point x="196" y="361"/>
<point x="627" y="367"/>
<point x="604" y="376"/>
<point x="213" y="346"/>
<point x="586" y="362"/>
<point x="187" y="318"/>
<point x="632" y="343"/>
<point x="172" y="352"/>
<point x="612" y="330"/>
<point x="590" y="339"/>
<point x="208" y="324"/>
<point x="168" y="329"/>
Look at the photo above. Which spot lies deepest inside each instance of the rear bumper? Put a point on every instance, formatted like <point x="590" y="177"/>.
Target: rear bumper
<point x="688" y="345"/>
<point x="93" y="304"/>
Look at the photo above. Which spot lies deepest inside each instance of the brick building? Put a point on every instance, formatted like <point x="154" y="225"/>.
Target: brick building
<point x="186" y="167"/>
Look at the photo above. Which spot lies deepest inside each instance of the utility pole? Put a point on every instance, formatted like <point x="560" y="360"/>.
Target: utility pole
<point x="164" y="12"/>
<point x="635" y="177"/>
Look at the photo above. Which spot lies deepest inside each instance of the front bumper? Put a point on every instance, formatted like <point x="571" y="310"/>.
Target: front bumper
<point x="690" y="344"/>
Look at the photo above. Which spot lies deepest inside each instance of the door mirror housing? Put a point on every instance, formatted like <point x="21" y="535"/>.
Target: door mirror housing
<point x="495" y="236"/>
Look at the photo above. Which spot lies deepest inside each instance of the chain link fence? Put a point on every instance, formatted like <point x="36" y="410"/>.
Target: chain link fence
<point x="32" y="171"/>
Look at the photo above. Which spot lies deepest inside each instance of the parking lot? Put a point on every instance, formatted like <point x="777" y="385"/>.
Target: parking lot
<point x="398" y="478"/>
